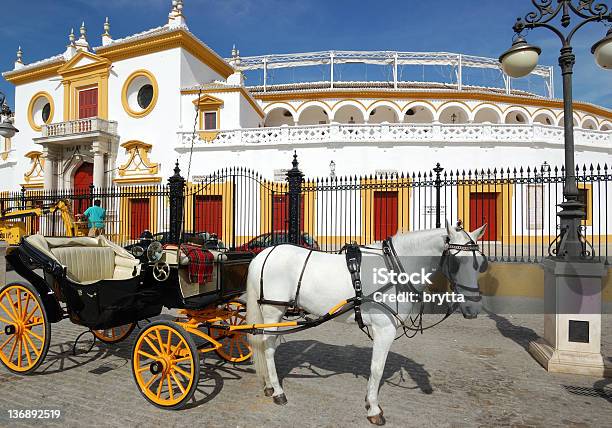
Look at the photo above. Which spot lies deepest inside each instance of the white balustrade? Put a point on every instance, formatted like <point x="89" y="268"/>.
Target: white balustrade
<point x="79" y="126"/>
<point x="395" y="133"/>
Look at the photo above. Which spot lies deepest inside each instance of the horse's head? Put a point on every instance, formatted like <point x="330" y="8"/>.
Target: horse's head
<point x="462" y="261"/>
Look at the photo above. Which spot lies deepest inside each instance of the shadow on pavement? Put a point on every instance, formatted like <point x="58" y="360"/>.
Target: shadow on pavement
<point x="325" y="360"/>
<point x="518" y="334"/>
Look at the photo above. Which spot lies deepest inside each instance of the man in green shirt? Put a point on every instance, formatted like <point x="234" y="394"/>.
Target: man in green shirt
<point x="95" y="218"/>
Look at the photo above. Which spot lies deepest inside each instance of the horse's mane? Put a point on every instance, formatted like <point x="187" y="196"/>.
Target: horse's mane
<point x="419" y="240"/>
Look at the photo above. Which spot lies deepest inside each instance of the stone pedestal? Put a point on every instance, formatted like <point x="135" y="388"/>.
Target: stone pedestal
<point x="572" y="319"/>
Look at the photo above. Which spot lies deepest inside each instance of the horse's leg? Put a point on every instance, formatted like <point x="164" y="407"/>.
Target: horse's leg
<point x="273" y="314"/>
<point x="383" y="336"/>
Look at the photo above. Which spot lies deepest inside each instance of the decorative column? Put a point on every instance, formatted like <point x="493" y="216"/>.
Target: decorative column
<point x="294" y="177"/>
<point x="99" y="168"/>
<point x="177" y="199"/>
<point x="50" y="162"/>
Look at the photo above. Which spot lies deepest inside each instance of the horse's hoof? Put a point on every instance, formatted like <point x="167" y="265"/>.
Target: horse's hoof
<point x="378" y="420"/>
<point x="268" y="392"/>
<point x="281" y="400"/>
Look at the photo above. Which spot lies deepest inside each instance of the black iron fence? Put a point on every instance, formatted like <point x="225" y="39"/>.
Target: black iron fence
<point x="249" y="212"/>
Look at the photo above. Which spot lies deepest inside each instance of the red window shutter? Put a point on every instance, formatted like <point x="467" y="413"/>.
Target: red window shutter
<point x="83" y="179"/>
<point x="210" y="120"/>
<point x="88" y="103"/>
<point x="280" y="221"/>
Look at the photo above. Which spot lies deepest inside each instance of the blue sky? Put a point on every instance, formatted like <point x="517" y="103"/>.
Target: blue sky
<point x="476" y="27"/>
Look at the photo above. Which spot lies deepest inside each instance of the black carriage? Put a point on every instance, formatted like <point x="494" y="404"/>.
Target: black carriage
<point x="103" y="287"/>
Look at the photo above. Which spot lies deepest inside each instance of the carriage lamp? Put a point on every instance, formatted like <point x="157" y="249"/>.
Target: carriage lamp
<point x="603" y="51"/>
<point x="521" y="59"/>
<point x="7" y="129"/>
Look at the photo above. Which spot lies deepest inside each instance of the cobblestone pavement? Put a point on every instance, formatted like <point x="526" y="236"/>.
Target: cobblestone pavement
<point x="462" y="373"/>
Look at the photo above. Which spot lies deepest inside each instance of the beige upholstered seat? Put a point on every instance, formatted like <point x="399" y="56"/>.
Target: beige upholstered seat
<point x="88" y="260"/>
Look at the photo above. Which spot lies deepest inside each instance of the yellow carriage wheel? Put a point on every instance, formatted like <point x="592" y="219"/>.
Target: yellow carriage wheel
<point x="114" y="334"/>
<point x="166" y="364"/>
<point x="235" y="346"/>
<point x="25" y="332"/>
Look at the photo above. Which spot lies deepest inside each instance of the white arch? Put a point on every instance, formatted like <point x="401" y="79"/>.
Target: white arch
<point x="352" y="105"/>
<point x="487" y="107"/>
<point x="462" y="109"/>
<point x="562" y="116"/>
<point x="423" y="112"/>
<point x="589" y="122"/>
<point x="512" y="114"/>
<point x="605" y="126"/>
<point x="276" y="116"/>
<point x="383" y="103"/>
<point x="540" y="116"/>
<point x="313" y="103"/>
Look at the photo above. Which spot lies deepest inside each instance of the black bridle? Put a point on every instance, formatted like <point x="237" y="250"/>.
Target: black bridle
<point x="449" y="265"/>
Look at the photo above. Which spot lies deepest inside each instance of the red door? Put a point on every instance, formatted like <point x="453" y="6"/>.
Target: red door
<point x="209" y="214"/>
<point x="139" y="217"/>
<point x="483" y="209"/>
<point x="88" y="103"/>
<point x="83" y="179"/>
<point x="385" y="215"/>
<point x="280" y="207"/>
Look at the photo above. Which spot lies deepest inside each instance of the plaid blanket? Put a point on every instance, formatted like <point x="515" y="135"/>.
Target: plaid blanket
<point x="200" y="263"/>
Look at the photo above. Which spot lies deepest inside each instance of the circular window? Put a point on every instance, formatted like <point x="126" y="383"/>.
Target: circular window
<point x="139" y="94"/>
<point x="145" y="96"/>
<point x="40" y="110"/>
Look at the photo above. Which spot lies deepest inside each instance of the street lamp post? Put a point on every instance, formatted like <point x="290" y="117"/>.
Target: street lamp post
<point x="572" y="279"/>
<point x="522" y="58"/>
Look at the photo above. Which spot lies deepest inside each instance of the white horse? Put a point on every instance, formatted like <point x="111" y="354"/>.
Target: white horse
<point x="326" y="281"/>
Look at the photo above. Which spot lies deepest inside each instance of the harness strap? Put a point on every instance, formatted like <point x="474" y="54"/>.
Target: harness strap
<point x="262" y="299"/>
<point x="353" y="263"/>
<point x="294" y="303"/>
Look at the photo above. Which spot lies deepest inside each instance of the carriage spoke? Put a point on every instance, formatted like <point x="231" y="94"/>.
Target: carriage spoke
<point x="34" y="324"/>
<point x="181" y="371"/>
<point x="25" y="306"/>
<point x="160" y="386"/>
<point x="26" y="350"/>
<point x="160" y="341"/>
<point x="10" y="358"/>
<point x="178" y="360"/>
<point x="152" y="346"/>
<point x="34" y="334"/>
<point x="28" y="316"/>
<point x="7" y="312"/>
<point x="18" y="293"/>
<point x="4" y="320"/>
<point x="6" y="342"/>
<point x="146" y="354"/>
<point x="150" y="381"/>
<point x="142" y="369"/>
<point x="19" y="353"/>
<point x="12" y="305"/>
<point x="178" y="382"/>
<point x="36" y="351"/>
<point x="169" y="342"/>
<point x="170" y="386"/>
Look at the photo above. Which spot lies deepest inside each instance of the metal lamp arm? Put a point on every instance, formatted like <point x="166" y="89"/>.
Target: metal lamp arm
<point x="595" y="10"/>
<point x="544" y="9"/>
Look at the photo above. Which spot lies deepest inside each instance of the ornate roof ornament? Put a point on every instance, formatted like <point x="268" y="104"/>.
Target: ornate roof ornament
<point x="82" y="43"/>
<point x="106" y="37"/>
<point x="176" y="17"/>
<point x="71" y="49"/>
<point x="19" y="60"/>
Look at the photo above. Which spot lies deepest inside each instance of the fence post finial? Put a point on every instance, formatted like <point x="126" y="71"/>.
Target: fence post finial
<point x="294" y="178"/>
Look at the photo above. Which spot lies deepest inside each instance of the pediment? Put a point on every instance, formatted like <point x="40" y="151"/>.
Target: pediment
<point x="208" y="100"/>
<point x="84" y="61"/>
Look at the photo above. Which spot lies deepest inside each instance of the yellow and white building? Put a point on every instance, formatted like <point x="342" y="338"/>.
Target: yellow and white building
<point x="123" y="112"/>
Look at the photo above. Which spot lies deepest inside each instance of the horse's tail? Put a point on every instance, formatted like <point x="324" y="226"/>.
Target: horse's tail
<point x="255" y="316"/>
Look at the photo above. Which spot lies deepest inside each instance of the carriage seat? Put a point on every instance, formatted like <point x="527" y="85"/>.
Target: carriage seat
<point x="88" y="260"/>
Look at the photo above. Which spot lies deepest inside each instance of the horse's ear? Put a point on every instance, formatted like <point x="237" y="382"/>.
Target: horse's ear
<point x="449" y="229"/>
<point x="479" y="233"/>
